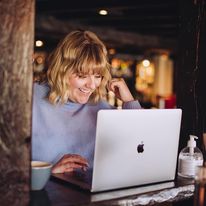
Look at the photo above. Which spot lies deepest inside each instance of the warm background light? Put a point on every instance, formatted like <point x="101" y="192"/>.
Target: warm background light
<point x="39" y="43"/>
<point x="103" y="12"/>
<point x="146" y="63"/>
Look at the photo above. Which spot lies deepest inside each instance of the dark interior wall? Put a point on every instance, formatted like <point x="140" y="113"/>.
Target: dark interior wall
<point x="191" y="69"/>
<point x="16" y="50"/>
<point x="201" y="85"/>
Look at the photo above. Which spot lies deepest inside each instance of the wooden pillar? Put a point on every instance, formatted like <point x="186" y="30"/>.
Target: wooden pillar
<point x="191" y="71"/>
<point x="16" y="50"/>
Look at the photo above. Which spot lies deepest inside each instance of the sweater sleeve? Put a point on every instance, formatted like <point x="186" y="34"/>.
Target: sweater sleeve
<point x="132" y="105"/>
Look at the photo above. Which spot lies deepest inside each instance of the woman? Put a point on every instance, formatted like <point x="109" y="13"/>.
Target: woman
<point x="65" y="106"/>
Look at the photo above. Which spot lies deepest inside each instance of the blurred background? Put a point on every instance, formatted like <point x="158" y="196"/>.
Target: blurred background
<point x="141" y="37"/>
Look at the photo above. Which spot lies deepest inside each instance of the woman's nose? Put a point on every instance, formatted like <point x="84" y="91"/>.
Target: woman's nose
<point x="91" y="82"/>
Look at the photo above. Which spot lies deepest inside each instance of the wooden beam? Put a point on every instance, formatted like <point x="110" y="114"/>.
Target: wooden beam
<point x="49" y="27"/>
<point x="16" y="50"/>
<point x="191" y="70"/>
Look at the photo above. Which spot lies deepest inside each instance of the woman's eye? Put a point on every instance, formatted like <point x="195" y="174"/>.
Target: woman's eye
<point x="81" y="76"/>
<point x="98" y="76"/>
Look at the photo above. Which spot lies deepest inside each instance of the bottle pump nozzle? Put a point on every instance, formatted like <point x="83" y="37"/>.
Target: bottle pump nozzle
<point x="192" y="143"/>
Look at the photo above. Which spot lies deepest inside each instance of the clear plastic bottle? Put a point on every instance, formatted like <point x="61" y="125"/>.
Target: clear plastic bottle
<point x="189" y="158"/>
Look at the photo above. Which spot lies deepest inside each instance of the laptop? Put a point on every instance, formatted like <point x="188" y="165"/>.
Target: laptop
<point x="132" y="148"/>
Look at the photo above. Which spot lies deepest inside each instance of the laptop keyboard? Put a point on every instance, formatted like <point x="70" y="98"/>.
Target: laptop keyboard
<point x="85" y="176"/>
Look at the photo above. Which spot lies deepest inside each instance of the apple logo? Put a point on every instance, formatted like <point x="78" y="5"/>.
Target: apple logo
<point x="140" y="148"/>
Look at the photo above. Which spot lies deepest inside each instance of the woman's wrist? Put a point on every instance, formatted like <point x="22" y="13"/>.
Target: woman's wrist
<point x="133" y="104"/>
<point x="129" y="98"/>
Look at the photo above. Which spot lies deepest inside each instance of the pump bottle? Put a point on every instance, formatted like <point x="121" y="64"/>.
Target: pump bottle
<point x="189" y="158"/>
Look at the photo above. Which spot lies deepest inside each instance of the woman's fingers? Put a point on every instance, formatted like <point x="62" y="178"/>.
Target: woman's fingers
<point x="68" y="167"/>
<point x="120" y="89"/>
<point x="74" y="158"/>
<point x="114" y="83"/>
<point x="69" y="163"/>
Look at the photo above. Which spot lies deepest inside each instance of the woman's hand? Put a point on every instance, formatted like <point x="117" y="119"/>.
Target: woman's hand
<point x="120" y="89"/>
<point x="69" y="163"/>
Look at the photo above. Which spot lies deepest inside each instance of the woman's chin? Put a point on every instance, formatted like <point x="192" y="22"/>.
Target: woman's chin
<point x="83" y="100"/>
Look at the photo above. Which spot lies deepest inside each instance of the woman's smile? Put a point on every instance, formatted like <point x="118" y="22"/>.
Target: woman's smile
<point x="86" y="91"/>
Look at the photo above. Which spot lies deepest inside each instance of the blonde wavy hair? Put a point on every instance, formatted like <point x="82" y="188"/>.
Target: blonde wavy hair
<point x="80" y="52"/>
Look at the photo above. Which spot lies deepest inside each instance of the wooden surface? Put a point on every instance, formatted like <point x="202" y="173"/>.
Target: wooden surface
<point x="16" y="50"/>
<point x="57" y="193"/>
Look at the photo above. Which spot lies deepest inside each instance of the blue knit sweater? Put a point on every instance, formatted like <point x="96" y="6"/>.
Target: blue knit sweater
<point x="64" y="129"/>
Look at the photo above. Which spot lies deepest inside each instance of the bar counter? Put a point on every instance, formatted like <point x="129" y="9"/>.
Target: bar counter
<point x="58" y="193"/>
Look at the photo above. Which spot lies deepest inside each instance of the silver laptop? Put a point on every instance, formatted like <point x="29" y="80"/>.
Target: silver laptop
<point x="132" y="148"/>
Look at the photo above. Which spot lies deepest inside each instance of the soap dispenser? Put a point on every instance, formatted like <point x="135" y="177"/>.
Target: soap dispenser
<point x="189" y="158"/>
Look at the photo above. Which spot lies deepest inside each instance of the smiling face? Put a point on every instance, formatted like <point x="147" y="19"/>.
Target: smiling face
<point x="81" y="86"/>
<point x="78" y="69"/>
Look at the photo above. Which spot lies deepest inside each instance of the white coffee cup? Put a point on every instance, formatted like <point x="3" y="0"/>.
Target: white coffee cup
<point x="40" y="174"/>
